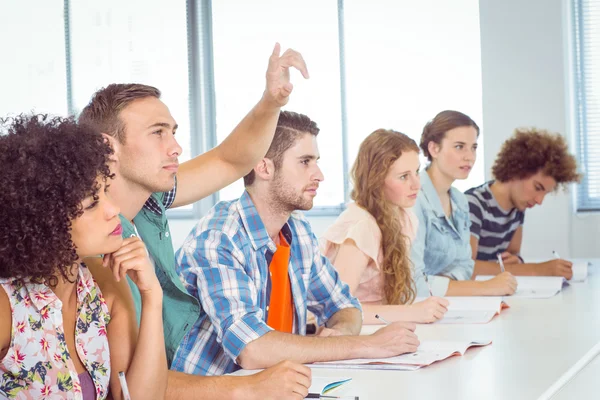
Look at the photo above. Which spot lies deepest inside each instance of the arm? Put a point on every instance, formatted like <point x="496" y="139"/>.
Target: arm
<point x="439" y="284"/>
<point x="140" y="354"/>
<point x="6" y="326"/>
<point x="249" y="141"/>
<point x="392" y="340"/>
<point x="286" y="381"/>
<point x="351" y="263"/>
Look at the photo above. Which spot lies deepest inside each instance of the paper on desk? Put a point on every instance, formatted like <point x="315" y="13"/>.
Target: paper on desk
<point x="580" y="271"/>
<point x="534" y="287"/>
<point x="471" y="310"/>
<point x="428" y="352"/>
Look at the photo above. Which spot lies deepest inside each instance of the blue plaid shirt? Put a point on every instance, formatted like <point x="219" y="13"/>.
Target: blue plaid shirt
<point x="224" y="262"/>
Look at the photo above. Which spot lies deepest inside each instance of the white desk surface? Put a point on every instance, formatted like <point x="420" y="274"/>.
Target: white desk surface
<point x="584" y="385"/>
<point x="535" y="341"/>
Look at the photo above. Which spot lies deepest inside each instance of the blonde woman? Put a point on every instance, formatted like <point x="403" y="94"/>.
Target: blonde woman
<point x="369" y="244"/>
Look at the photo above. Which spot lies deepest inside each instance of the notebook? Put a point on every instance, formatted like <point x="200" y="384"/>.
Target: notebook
<point x="471" y="310"/>
<point x="429" y="351"/>
<point x="325" y="386"/>
<point x="580" y="270"/>
<point x="535" y="287"/>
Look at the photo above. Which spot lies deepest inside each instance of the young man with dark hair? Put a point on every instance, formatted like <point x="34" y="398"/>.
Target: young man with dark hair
<point x="530" y="165"/>
<point x="255" y="266"/>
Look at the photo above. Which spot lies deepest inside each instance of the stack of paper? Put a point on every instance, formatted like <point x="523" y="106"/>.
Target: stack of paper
<point x="535" y="287"/>
<point x="580" y="271"/>
<point x="471" y="310"/>
<point x="429" y="352"/>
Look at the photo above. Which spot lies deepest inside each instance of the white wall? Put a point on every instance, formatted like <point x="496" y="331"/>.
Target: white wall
<point x="524" y="61"/>
<point x="525" y="81"/>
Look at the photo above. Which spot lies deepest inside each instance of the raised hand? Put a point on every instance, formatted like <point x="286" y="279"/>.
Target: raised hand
<point x="279" y="86"/>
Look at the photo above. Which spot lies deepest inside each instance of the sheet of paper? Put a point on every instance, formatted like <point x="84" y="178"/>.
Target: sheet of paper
<point x="470" y="310"/>
<point x="535" y="287"/>
<point x="428" y="352"/>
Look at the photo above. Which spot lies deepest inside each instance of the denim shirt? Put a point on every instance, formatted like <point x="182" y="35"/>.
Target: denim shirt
<point x="442" y="247"/>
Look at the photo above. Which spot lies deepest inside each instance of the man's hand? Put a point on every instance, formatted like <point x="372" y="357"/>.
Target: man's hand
<point x="509" y="258"/>
<point x="279" y="86"/>
<point x="395" y="339"/>
<point x="283" y="381"/>
<point x="557" y="268"/>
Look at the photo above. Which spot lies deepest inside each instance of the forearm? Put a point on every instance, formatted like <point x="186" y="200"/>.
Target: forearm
<point x="274" y="347"/>
<point x="248" y="143"/>
<point x="467" y="288"/>
<point x="184" y="386"/>
<point x="147" y="373"/>
<point x="492" y="268"/>
<point x="347" y="321"/>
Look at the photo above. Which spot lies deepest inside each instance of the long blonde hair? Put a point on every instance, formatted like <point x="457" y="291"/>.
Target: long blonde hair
<point x="376" y="155"/>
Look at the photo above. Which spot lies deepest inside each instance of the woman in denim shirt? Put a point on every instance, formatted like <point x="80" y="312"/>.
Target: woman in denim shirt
<point x="442" y="247"/>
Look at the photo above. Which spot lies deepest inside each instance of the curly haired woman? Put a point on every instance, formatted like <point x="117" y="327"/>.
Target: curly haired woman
<point x="369" y="244"/>
<point x="530" y="165"/>
<point x="63" y="333"/>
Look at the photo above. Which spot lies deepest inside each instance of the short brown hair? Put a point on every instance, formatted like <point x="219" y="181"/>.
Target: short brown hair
<point x="290" y="126"/>
<point x="102" y="112"/>
<point x="435" y="130"/>
<point x="532" y="150"/>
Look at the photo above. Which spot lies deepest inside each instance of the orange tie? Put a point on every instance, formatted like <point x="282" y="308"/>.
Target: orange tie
<point x="281" y="308"/>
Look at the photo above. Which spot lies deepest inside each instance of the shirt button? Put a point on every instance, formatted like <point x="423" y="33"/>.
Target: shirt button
<point x="167" y="234"/>
<point x="267" y="308"/>
<point x="270" y="274"/>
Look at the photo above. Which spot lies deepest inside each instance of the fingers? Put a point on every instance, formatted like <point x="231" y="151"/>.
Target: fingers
<point x="276" y="50"/>
<point x="292" y="58"/>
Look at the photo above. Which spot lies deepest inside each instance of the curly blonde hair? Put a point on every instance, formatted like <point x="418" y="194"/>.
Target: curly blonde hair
<point x="532" y="150"/>
<point x="376" y="155"/>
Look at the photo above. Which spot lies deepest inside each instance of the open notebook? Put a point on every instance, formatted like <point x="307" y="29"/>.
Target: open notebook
<point x="471" y="310"/>
<point x="535" y="287"/>
<point x="428" y="352"/>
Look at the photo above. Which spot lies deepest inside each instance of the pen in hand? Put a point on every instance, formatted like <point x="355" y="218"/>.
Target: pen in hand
<point x="124" y="387"/>
<point x="428" y="285"/>
<point x="555" y="254"/>
<point x="381" y="319"/>
<point x="499" y="256"/>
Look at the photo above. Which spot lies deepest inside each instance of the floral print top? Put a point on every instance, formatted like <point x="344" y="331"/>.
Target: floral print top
<point x="38" y="364"/>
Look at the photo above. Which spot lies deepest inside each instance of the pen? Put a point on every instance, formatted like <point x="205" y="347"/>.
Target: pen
<point x="555" y="254"/>
<point x="124" y="387"/>
<point x="499" y="256"/>
<point x="428" y="285"/>
<point x="381" y="319"/>
<point x="321" y="396"/>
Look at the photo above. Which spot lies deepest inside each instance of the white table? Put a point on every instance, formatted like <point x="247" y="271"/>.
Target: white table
<point x="535" y="342"/>
<point x="584" y="385"/>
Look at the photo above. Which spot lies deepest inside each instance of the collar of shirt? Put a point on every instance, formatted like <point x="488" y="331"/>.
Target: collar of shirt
<point x="433" y="199"/>
<point x="257" y="232"/>
<point x="42" y="296"/>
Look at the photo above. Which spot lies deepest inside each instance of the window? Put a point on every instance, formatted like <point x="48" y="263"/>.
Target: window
<point x="586" y="57"/>
<point x="408" y="60"/>
<point x="33" y="74"/>
<point x="244" y="33"/>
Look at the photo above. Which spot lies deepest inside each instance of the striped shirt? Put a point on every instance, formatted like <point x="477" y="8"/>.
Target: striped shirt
<point x="224" y="263"/>
<point x="493" y="226"/>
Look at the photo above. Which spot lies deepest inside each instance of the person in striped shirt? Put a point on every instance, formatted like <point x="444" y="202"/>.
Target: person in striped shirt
<point x="255" y="266"/>
<point x="531" y="164"/>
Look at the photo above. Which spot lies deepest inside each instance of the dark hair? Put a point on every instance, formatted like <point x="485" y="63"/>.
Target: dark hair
<point x="530" y="151"/>
<point x="290" y="126"/>
<point x="103" y="111"/>
<point x="435" y="130"/>
<point x="49" y="166"/>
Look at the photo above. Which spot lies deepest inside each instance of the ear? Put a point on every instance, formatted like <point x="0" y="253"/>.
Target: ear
<point x="433" y="148"/>
<point x="265" y="170"/>
<point x="114" y="143"/>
